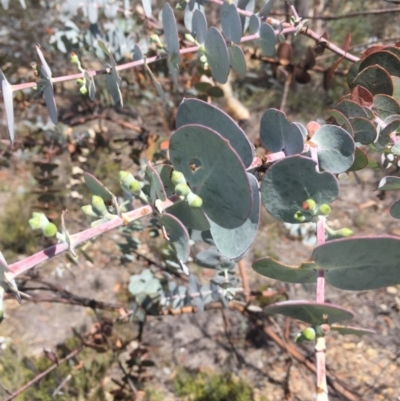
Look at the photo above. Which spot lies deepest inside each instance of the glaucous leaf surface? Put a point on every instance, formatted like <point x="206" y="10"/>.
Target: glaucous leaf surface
<point x="387" y="60"/>
<point x="213" y="259"/>
<point x="193" y="218"/>
<point x="364" y="131"/>
<point x="360" y="263"/>
<point x="278" y="134"/>
<point x="221" y="181"/>
<point x="335" y="148"/>
<point x="392" y="124"/>
<point x="164" y="171"/>
<point x="389" y="183"/>
<point x="49" y="97"/>
<point x="341" y="120"/>
<point x="254" y="24"/>
<point x="267" y="40"/>
<point x="113" y="82"/>
<point x="351" y="109"/>
<point x="247" y="5"/>
<point x="233" y="243"/>
<point x="178" y="236"/>
<point x="156" y="185"/>
<point x="172" y="39"/>
<point x="147" y="8"/>
<point x="190" y="9"/>
<point x="310" y="312"/>
<point x="8" y="104"/>
<point x="376" y="80"/>
<point x="96" y="187"/>
<point x="230" y="22"/>
<point x="360" y="160"/>
<point x="386" y="106"/>
<point x="395" y="210"/>
<point x="268" y="267"/>
<point x="217" y="55"/>
<point x="353" y="72"/>
<point x="266" y="9"/>
<point x="199" y="26"/>
<point x="290" y="182"/>
<point x="237" y="60"/>
<point x="194" y="111"/>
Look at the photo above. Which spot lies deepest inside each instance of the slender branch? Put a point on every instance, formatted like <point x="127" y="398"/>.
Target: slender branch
<point x="24" y="265"/>
<point x="344" y="16"/>
<point x="40" y="376"/>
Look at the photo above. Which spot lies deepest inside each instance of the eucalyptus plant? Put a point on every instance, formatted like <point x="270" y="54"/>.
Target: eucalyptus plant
<point x="210" y="185"/>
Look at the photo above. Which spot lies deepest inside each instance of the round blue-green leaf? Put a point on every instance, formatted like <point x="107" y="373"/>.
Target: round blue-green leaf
<point x="396" y="87"/>
<point x="268" y="267"/>
<point x="190" y="9"/>
<point x="217" y="55"/>
<point x="230" y="22"/>
<point x="266" y="9"/>
<point x="360" y="160"/>
<point x="336" y="148"/>
<point x="165" y="171"/>
<point x="178" y="236"/>
<point x="340" y="119"/>
<point x="352" y="73"/>
<point x="8" y="104"/>
<point x="267" y="40"/>
<point x="392" y="124"/>
<point x="199" y="26"/>
<point x="360" y="263"/>
<point x="193" y="218"/>
<point x="388" y="61"/>
<point x="254" y="24"/>
<point x="376" y="80"/>
<point x="137" y="53"/>
<point x="156" y="185"/>
<point x="212" y="259"/>
<point x="247" y="5"/>
<point x="221" y="181"/>
<point x="278" y="134"/>
<point x="389" y="183"/>
<point x="290" y="182"/>
<point x="351" y="109"/>
<point x="237" y="60"/>
<point x="194" y="111"/>
<point x="97" y="188"/>
<point x="395" y="210"/>
<point x="386" y="106"/>
<point x="302" y="129"/>
<point x="233" y="243"/>
<point x="364" y="131"/>
<point x="310" y="312"/>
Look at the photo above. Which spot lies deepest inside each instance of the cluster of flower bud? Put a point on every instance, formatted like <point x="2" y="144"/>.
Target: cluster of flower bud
<point x="183" y="191"/>
<point x="80" y="81"/>
<point x="310" y="333"/>
<point x="40" y="222"/>
<point x="310" y="207"/>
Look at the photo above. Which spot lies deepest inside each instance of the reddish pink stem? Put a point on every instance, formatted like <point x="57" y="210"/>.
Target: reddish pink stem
<point x="24" y="265"/>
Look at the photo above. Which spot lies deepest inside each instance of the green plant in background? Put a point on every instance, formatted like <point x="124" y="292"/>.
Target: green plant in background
<point x="210" y="185"/>
<point x="212" y="386"/>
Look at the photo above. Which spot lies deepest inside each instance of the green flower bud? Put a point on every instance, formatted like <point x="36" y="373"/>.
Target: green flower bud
<point x="38" y="221"/>
<point x="135" y="187"/>
<point x="80" y="81"/>
<point x="182" y="189"/>
<point x="50" y="230"/>
<point x="190" y="38"/>
<point x="155" y="39"/>
<point x="99" y="205"/>
<point x="83" y="90"/>
<point x="309" y="334"/>
<point x="325" y="209"/>
<point x="88" y="210"/>
<point x="194" y="200"/>
<point x="344" y="232"/>
<point x="309" y="204"/>
<point x="74" y="59"/>
<point x="177" y="178"/>
<point x="299" y="216"/>
<point x="203" y="59"/>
